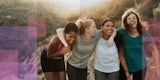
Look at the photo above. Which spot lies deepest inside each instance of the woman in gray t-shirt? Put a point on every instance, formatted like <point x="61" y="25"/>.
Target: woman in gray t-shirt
<point x="82" y="49"/>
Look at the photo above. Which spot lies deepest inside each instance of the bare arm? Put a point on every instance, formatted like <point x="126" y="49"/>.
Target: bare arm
<point x="155" y="53"/>
<point x="123" y="62"/>
<point x="52" y="47"/>
<point x="156" y="56"/>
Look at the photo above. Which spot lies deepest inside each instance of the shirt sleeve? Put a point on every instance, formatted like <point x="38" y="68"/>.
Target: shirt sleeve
<point x="120" y="31"/>
<point x="61" y="36"/>
<point x="98" y="34"/>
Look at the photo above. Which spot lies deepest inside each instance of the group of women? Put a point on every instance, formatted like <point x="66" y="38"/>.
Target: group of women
<point x="119" y="52"/>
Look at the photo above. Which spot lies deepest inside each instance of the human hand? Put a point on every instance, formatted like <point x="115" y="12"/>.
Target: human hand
<point x="111" y="38"/>
<point x="65" y="50"/>
<point x="128" y="76"/>
<point x="157" y="71"/>
<point x="145" y="26"/>
<point x="114" y="33"/>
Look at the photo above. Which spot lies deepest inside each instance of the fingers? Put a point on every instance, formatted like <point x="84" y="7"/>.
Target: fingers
<point x="65" y="49"/>
<point x="128" y="76"/>
<point x="145" y="26"/>
<point x="111" y="39"/>
<point x="157" y="73"/>
<point x="114" y="33"/>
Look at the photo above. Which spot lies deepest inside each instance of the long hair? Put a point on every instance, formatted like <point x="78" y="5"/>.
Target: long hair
<point x="125" y="25"/>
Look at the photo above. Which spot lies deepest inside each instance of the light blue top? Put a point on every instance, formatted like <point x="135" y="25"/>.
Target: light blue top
<point x="107" y="59"/>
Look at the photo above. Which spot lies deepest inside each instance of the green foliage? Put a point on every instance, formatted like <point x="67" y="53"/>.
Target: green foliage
<point x="146" y="8"/>
<point x="115" y="8"/>
<point x="17" y="12"/>
<point x="156" y="11"/>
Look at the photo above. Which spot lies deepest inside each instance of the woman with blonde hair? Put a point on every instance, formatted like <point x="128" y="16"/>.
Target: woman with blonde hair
<point x="82" y="49"/>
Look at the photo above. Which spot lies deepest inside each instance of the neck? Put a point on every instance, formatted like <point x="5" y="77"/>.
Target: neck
<point x="106" y="37"/>
<point x="133" y="32"/>
<point x="86" y="37"/>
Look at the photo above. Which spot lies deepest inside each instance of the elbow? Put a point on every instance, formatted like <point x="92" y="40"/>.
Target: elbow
<point x="51" y="56"/>
<point x="122" y="58"/>
<point x="48" y="57"/>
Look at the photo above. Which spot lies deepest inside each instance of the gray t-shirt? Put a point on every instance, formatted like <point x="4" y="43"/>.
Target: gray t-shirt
<point x="83" y="50"/>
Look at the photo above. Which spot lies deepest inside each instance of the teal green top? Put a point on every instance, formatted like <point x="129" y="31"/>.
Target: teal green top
<point x="133" y="51"/>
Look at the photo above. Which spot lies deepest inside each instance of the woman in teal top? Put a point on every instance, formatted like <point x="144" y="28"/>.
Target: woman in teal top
<point x="133" y="50"/>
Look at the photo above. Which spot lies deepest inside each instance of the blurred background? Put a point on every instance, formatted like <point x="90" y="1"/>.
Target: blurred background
<point x="48" y="15"/>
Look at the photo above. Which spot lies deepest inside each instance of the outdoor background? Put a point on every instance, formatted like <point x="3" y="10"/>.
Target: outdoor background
<point x="26" y="26"/>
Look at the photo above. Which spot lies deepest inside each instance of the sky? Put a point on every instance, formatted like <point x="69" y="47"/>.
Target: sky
<point x="68" y="7"/>
<point x="77" y="3"/>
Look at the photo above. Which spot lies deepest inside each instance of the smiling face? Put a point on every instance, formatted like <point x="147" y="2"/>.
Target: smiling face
<point x="108" y="28"/>
<point x="132" y="20"/>
<point x="70" y="33"/>
<point x="70" y="37"/>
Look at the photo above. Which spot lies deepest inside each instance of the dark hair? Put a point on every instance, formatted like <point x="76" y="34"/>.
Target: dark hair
<point x="106" y="20"/>
<point x="71" y="27"/>
<point x="125" y="25"/>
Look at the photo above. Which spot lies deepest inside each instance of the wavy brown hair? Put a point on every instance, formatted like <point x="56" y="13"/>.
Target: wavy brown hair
<point x="125" y="25"/>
